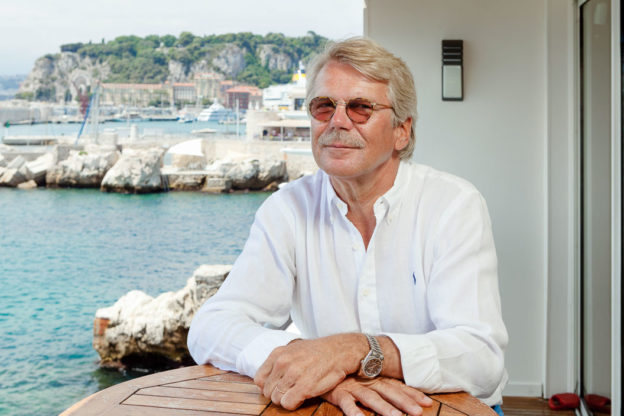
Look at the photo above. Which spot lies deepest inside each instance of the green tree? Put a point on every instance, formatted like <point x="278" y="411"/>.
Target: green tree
<point x="168" y="40"/>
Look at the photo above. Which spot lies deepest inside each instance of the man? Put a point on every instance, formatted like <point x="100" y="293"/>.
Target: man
<point x="387" y="268"/>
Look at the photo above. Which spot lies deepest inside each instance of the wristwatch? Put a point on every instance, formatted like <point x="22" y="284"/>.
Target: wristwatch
<point x="372" y="364"/>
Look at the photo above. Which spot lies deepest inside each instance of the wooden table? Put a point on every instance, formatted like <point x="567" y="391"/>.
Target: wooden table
<point x="205" y="390"/>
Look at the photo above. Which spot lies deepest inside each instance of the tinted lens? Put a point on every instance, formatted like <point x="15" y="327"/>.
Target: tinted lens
<point x="322" y="108"/>
<point x="359" y="110"/>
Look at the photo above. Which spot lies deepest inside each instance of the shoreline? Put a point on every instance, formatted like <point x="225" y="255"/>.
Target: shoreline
<point x="192" y="162"/>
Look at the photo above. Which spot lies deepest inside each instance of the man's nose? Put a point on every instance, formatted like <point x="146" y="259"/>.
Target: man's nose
<point x="340" y="119"/>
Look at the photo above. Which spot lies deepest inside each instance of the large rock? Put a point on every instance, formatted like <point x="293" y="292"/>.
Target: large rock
<point x="39" y="167"/>
<point x="271" y="171"/>
<point x="16" y="163"/>
<point x="137" y="171"/>
<point x="31" y="184"/>
<point x="3" y="161"/>
<point x="12" y="177"/>
<point x="82" y="169"/>
<point x="140" y="331"/>
<point x="217" y="185"/>
<point x="186" y="182"/>
<point x="244" y="174"/>
<point x="257" y="174"/>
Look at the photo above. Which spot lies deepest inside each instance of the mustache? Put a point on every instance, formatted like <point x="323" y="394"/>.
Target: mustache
<point x="340" y="137"/>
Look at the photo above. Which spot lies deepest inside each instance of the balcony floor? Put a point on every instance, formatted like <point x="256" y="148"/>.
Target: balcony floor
<point x="530" y="406"/>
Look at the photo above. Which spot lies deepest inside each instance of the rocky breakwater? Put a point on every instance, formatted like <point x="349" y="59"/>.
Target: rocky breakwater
<point x="83" y="168"/>
<point x="20" y="173"/>
<point x="233" y="175"/>
<point x="137" y="171"/>
<point x="140" y="331"/>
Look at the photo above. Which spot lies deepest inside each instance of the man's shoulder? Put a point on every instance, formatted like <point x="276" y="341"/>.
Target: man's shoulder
<point x="299" y="192"/>
<point x="305" y="186"/>
<point x="428" y="179"/>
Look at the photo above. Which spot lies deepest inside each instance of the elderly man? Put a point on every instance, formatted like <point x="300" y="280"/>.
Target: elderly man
<point x="387" y="268"/>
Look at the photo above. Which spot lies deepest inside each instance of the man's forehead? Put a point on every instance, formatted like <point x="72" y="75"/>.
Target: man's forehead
<point x="339" y="76"/>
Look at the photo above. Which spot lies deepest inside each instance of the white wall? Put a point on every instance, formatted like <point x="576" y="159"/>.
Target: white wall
<point x="496" y="138"/>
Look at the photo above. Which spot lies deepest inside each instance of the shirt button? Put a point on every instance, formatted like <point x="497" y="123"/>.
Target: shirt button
<point x="354" y="247"/>
<point x="366" y="292"/>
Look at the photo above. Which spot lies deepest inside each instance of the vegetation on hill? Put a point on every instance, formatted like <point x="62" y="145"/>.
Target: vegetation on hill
<point x="146" y="60"/>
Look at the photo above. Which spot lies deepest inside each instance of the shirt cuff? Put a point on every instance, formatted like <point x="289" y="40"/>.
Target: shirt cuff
<point x="419" y="361"/>
<point x="256" y="352"/>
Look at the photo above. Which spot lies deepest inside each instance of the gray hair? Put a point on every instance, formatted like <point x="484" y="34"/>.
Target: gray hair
<point x="377" y="63"/>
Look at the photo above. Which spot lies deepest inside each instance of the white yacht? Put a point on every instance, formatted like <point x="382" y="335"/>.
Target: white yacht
<point x="216" y="112"/>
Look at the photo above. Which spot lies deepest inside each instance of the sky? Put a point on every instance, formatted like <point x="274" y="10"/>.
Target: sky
<point x="30" y="29"/>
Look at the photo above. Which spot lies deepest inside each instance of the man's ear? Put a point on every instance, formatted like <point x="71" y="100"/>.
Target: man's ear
<point x="402" y="134"/>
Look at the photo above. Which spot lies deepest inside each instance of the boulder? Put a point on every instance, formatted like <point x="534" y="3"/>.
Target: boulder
<point x="3" y="161"/>
<point x="82" y="169"/>
<point x="137" y="171"/>
<point x="140" y="331"/>
<point x="39" y="167"/>
<point x="219" y="168"/>
<point x="271" y="171"/>
<point x="244" y="174"/>
<point x="31" y="184"/>
<point x="12" y="177"/>
<point x="186" y="182"/>
<point x="217" y="185"/>
<point x="16" y="163"/>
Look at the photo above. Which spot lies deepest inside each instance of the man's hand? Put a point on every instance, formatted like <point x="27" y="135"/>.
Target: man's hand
<point x="309" y="368"/>
<point x="383" y="395"/>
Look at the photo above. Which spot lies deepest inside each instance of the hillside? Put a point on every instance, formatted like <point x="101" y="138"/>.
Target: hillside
<point x="245" y="57"/>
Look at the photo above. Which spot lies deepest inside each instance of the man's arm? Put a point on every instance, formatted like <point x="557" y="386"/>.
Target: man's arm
<point x="328" y="366"/>
<point x="239" y="326"/>
<point x="465" y="349"/>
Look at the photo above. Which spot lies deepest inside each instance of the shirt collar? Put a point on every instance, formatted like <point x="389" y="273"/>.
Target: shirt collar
<point x="390" y="201"/>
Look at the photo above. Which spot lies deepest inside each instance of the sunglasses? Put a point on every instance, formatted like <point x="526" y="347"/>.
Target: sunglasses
<point x="359" y="110"/>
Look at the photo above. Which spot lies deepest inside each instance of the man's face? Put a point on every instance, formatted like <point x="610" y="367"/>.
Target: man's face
<point x="349" y="150"/>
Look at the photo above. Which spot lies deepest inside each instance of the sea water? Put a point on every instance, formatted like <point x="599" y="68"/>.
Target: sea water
<point x="66" y="253"/>
<point x="150" y="128"/>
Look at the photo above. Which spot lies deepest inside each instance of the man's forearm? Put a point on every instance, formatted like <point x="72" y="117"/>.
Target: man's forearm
<point x="310" y="368"/>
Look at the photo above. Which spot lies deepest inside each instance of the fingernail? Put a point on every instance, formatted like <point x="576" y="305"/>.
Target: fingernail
<point x="416" y="410"/>
<point x="396" y="412"/>
<point x="428" y="400"/>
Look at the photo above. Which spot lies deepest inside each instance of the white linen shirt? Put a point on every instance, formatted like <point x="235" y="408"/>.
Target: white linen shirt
<point x="428" y="280"/>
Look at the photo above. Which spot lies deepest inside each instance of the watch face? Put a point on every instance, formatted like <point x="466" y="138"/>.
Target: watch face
<point x="372" y="368"/>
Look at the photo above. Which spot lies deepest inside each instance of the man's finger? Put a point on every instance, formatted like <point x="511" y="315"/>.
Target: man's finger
<point x="345" y="401"/>
<point x="421" y="398"/>
<point x="403" y="397"/>
<point x="371" y="399"/>
<point x="263" y="372"/>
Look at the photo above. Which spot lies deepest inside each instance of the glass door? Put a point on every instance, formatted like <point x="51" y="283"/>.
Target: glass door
<point x="595" y="345"/>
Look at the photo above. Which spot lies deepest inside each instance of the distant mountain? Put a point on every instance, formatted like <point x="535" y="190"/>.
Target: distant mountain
<point x="9" y="85"/>
<point x="245" y="57"/>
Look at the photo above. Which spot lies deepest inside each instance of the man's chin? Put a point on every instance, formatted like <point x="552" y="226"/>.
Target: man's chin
<point x="340" y="168"/>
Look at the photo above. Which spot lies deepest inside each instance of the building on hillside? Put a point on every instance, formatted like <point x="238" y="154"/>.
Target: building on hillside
<point x="248" y="97"/>
<point x="137" y="95"/>
<point x="184" y="92"/>
<point x="208" y="86"/>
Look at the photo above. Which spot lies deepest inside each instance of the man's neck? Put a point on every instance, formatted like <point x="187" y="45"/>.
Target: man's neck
<point x="361" y="193"/>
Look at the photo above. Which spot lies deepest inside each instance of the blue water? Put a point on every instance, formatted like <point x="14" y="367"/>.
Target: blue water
<point x="123" y="128"/>
<point x="66" y="253"/>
